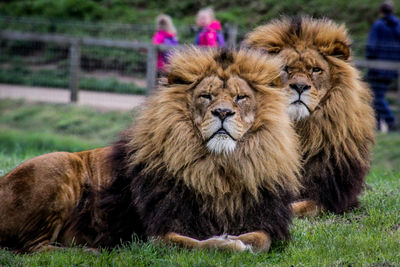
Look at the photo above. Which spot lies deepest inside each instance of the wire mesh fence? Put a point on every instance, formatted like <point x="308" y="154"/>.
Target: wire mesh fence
<point x="33" y="63"/>
<point x="47" y="64"/>
<point x="117" y="31"/>
<point x="30" y="60"/>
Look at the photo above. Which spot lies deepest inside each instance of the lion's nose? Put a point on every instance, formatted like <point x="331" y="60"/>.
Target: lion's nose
<point x="300" y="87"/>
<point x="223" y="113"/>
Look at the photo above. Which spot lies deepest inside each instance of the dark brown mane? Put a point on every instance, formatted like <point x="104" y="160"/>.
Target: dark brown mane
<point x="224" y="58"/>
<point x="296" y="25"/>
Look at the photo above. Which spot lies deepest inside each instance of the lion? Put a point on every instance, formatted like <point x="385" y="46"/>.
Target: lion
<point x="329" y="105"/>
<point x="211" y="162"/>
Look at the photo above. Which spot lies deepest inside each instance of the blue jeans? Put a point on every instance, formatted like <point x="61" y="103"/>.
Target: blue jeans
<point x="381" y="105"/>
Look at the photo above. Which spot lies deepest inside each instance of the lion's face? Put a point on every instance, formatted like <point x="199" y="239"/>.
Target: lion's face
<point x="223" y="111"/>
<point x="312" y="51"/>
<point x="306" y="78"/>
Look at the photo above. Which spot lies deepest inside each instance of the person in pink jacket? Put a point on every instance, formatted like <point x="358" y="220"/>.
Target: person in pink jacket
<point x="211" y="30"/>
<point x="165" y="35"/>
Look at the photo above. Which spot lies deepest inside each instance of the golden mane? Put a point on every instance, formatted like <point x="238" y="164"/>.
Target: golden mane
<point x="324" y="35"/>
<point x="343" y="120"/>
<point x="165" y="136"/>
<point x="343" y="125"/>
<point x="341" y="129"/>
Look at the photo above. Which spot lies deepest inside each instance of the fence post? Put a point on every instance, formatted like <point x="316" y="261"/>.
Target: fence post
<point x="232" y="36"/>
<point x="74" y="61"/>
<point x="151" y="69"/>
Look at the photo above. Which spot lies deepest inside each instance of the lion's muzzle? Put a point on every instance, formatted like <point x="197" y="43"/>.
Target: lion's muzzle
<point x="222" y="131"/>
<point x="298" y="100"/>
<point x="300" y="87"/>
<point x="222" y="113"/>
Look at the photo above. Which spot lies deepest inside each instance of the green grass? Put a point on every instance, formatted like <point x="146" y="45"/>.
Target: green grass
<point x="368" y="236"/>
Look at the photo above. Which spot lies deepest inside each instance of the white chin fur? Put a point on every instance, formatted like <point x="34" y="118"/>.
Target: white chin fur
<point x="221" y="143"/>
<point x="298" y="112"/>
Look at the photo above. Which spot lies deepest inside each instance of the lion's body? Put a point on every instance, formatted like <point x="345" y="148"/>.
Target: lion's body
<point x="39" y="196"/>
<point x="167" y="206"/>
<point x="336" y="123"/>
<point x="165" y="178"/>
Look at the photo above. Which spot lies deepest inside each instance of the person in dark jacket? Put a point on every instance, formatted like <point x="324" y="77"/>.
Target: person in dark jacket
<point x="384" y="44"/>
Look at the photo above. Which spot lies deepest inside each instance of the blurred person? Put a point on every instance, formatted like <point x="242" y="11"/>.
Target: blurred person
<point x="210" y="33"/>
<point x="384" y="44"/>
<point x="165" y="35"/>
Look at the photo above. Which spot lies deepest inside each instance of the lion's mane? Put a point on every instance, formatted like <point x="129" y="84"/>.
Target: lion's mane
<point x="165" y="175"/>
<point x="336" y="138"/>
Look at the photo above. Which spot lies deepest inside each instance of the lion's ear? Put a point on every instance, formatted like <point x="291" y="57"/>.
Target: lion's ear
<point x="273" y="49"/>
<point x="173" y="78"/>
<point x="337" y="49"/>
<point x="262" y="39"/>
<point x="277" y="82"/>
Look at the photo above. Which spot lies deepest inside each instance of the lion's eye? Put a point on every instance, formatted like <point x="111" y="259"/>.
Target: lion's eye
<point x="206" y="96"/>
<point x="286" y="69"/>
<point x="240" y="97"/>
<point x="316" y="69"/>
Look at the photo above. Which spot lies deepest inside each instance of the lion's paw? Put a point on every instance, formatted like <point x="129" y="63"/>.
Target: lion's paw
<point x="238" y="245"/>
<point x="224" y="242"/>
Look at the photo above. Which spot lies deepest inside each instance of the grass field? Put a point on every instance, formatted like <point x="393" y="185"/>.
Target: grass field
<point x="368" y="236"/>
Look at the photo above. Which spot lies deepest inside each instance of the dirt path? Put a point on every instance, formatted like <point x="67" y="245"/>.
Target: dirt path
<point x="106" y="101"/>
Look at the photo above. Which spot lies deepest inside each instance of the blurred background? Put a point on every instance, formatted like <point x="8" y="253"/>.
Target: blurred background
<point x="47" y="63"/>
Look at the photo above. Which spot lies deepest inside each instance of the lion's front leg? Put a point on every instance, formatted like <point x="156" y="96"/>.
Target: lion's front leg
<point x="306" y="208"/>
<point x="220" y="242"/>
